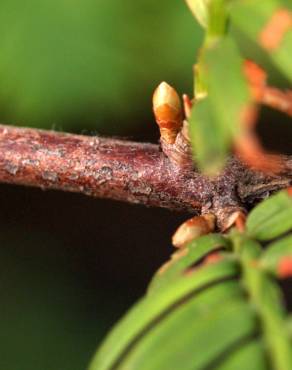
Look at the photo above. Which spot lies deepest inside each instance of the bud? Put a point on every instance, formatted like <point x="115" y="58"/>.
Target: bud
<point x="188" y="104"/>
<point x="168" y="112"/>
<point x="192" y="229"/>
<point x="237" y="219"/>
<point x="200" y="10"/>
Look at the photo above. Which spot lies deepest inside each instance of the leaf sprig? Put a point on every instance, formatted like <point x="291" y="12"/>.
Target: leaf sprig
<point x="215" y="305"/>
<point x="235" y="31"/>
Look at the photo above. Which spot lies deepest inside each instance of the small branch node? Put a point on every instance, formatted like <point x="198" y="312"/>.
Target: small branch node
<point x="175" y="141"/>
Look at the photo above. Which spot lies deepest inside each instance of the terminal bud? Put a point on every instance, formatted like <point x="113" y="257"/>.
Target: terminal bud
<point x="168" y="111"/>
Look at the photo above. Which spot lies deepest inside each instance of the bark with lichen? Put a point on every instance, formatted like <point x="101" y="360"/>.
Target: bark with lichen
<point x="132" y="172"/>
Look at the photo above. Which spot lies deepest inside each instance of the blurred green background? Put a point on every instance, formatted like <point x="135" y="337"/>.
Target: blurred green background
<point x="85" y="64"/>
<point x="69" y="265"/>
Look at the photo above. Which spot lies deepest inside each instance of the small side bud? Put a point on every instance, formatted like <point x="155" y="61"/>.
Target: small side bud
<point x="187" y="105"/>
<point x="237" y="219"/>
<point x="168" y="111"/>
<point x="192" y="229"/>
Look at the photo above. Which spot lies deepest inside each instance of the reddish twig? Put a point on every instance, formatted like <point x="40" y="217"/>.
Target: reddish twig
<point x="128" y="171"/>
<point x="99" y="167"/>
<point x="247" y="144"/>
<point x="264" y="94"/>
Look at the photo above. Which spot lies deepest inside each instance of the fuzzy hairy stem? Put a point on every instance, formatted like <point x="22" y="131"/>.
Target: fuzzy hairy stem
<point x="127" y="171"/>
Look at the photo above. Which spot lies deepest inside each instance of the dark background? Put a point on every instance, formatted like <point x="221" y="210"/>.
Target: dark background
<point x="70" y="266"/>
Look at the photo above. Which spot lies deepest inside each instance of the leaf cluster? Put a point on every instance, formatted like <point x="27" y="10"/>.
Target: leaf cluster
<point x="215" y="305"/>
<point x="235" y="30"/>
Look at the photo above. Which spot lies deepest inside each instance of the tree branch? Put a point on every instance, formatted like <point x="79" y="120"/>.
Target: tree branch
<point x="127" y="171"/>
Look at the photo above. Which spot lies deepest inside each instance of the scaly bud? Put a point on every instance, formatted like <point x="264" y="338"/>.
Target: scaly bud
<point x="237" y="219"/>
<point x="192" y="229"/>
<point x="168" y="112"/>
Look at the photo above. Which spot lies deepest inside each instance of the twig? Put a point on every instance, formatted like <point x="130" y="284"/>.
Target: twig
<point x="127" y="171"/>
<point x="262" y="93"/>
<point x="99" y="167"/>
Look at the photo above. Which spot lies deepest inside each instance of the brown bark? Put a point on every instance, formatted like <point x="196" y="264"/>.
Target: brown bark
<point x="127" y="171"/>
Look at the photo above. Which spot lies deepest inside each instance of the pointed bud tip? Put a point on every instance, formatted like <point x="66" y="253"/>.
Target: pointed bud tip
<point x="164" y="84"/>
<point x="166" y="94"/>
<point x="167" y="110"/>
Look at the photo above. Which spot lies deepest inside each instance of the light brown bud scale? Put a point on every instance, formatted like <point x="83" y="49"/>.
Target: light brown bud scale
<point x="192" y="229"/>
<point x="168" y="111"/>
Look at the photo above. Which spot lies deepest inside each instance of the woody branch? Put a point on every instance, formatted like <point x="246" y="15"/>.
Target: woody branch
<point x="128" y="171"/>
<point x="154" y="175"/>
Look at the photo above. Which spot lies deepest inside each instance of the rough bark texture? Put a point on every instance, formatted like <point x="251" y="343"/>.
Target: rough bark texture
<point x="128" y="171"/>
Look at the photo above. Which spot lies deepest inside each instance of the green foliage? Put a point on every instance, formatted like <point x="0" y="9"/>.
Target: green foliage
<point x="225" y="314"/>
<point x="260" y="13"/>
<point x="213" y="122"/>
<point x="233" y="33"/>
<point x="271" y="218"/>
<point x="216" y="303"/>
<point x="197" y="250"/>
<point x="273" y="254"/>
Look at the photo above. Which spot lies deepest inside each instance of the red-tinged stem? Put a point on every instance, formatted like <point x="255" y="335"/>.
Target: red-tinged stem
<point x="100" y="167"/>
<point x="127" y="171"/>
